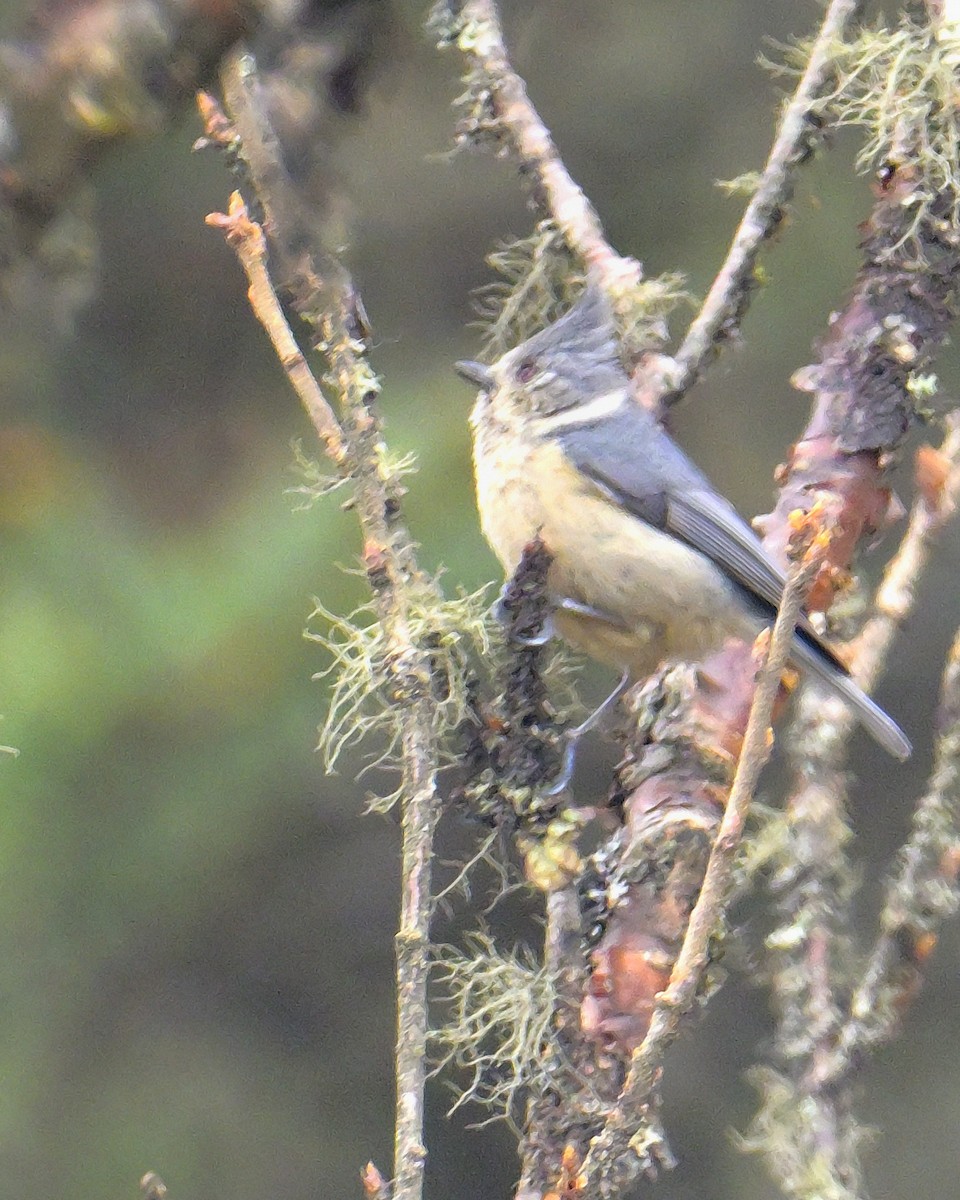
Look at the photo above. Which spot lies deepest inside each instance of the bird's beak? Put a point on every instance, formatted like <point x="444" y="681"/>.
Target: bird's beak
<point x="474" y="372"/>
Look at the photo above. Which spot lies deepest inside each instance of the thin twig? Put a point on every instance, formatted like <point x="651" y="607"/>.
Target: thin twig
<point x="324" y="294"/>
<point x="605" y="1167"/>
<point x="480" y="37"/>
<point x="921" y="895"/>
<point x="248" y="242"/>
<point x="375" y="1187"/>
<point x="391" y="571"/>
<point x="719" y="318"/>
<point x="393" y="574"/>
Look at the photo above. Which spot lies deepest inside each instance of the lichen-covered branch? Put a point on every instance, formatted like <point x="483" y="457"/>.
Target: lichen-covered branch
<point x="798" y="134"/>
<point x="809" y="1142"/>
<point x="623" y="1149"/>
<point x="831" y="1046"/>
<point x="324" y="295"/>
<point x="921" y="895"/>
<point x="568" y="1101"/>
<point x="515" y="748"/>
<point x="807" y="1127"/>
<point x="816" y="829"/>
<point x="868" y="384"/>
<point x="568" y="242"/>
<point x="499" y="112"/>
<point x="891" y="327"/>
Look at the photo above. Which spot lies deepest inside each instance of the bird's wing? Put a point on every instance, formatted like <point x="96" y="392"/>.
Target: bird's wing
<point x="705" y="521"/>
<point x="639" y="467"/>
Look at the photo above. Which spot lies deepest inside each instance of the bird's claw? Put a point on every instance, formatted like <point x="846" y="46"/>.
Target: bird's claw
<point x="502" y="613"/>
<point x="568" y="761"/>
<point x="578" y="609"/>
<point x="572" y="737"/>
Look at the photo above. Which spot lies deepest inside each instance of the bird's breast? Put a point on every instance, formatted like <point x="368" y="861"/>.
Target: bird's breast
<point x="512" y="488"/>
<point x="659" y="598"/>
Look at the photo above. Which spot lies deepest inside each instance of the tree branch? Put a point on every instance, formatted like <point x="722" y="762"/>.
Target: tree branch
<point x="922" y="894"/>
<point x="866" y="384"/>
<point x="620" y="1151"/>
<point x="928" y="866"/>
<point x="246" y="239"/>
<point x="513" y="123"/>
<point x="324" y="293"/>
<point x="938" y="483"/>
<point x="797" y="136"/>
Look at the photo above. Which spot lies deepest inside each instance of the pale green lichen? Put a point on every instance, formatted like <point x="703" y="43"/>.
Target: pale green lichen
<point x="498" y="1027"/>
<point x="316" y="484"/>
<point x="537" y="282"/>
<point x="812" y="1151"/>
<point x="540" y="278"/>
<point x="899" y="86"/>
<point x="643" y="311"/>
<point x="741" y="185"/>
<point x="922" y="386"/>
<point x="365" y="693"/>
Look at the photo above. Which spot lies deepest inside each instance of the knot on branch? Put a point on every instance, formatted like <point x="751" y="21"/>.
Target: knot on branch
<point x="408" y="676"/>
<point x="636" y="903"/>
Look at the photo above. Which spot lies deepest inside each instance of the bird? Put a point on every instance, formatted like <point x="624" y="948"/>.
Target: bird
<point x="649" y="562"/>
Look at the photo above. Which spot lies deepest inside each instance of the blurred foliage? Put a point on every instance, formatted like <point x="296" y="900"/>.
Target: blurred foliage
<point x="197" y="934"/>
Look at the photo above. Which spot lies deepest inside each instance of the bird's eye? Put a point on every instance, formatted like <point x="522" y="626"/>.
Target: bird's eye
<point x="526" y="369"/>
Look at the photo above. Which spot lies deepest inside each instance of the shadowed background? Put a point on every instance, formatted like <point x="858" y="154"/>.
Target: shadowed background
<point x="195" y="924"/>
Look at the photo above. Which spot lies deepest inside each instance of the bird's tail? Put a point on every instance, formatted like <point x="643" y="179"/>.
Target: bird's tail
<point x="881" y="727"/>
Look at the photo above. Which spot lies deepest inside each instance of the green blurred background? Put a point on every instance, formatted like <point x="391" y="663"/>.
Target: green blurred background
<point x="195" y="942"/>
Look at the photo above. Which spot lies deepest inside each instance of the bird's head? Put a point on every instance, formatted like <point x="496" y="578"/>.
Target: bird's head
<point x="564" y="369"/>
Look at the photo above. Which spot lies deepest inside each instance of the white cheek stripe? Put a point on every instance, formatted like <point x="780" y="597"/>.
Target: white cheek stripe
<point x="585" y="414"/>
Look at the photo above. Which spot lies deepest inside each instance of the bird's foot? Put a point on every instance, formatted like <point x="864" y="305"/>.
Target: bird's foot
<point x="573" y="737"/>
<point x="503" y="613"/>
